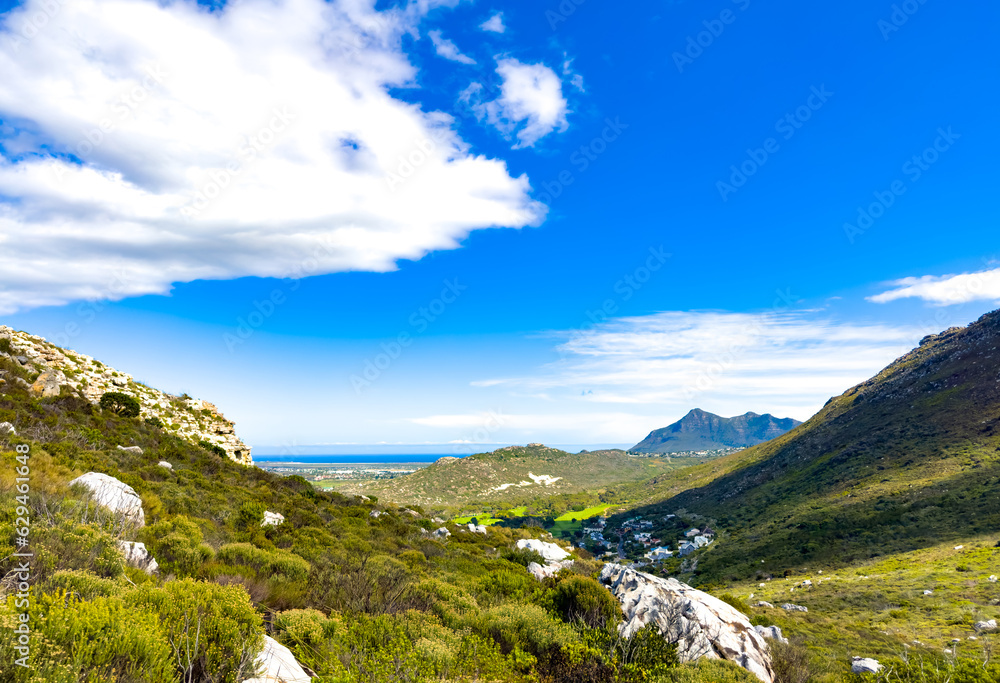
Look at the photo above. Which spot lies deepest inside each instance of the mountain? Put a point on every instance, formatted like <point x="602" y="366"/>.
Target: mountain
<point x="515" y="474"/>
<point x="58" y="371"/>
<point x="702" y="431"/>
<point x="905" y="460"/>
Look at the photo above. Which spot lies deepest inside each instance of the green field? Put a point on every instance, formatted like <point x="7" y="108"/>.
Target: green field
<point x="595" y="511"/>
<point x="485" y="519"/>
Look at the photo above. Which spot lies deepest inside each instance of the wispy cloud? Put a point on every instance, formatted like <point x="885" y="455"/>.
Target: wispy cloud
<point x="530" y="106"/>
<point x="789" y="363"/>
<point x="130" y="156"/>
<point x="945" y="290"/>
<point x="494" y="24"/>
<point x="447" y="49"/>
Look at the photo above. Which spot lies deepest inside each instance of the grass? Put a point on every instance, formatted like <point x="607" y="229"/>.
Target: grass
<point x="485" y="519"/>
<point x="595" y="511"/>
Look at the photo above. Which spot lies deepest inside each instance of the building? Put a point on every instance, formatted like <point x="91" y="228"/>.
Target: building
<point x="691" y="533"/>
<point x="661" y="553"/>
<point x="686" y="549"/>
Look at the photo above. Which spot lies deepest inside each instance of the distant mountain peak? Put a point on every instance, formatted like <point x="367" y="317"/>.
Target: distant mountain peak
<point x="701" y="430"/>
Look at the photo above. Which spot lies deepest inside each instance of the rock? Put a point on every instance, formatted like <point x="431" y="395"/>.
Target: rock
<point x="272" y="519"/>
<point x="865" y="665"/>
<point x="23" y="382"/>
<point x="437" y="520"/>
<point x="7" y="429"/>
<point x="550" y="568"/>
<point x="763" y="603"/>
<point x="375" y="514"/>
<point x="789" y="607"/>
<point x="771" y="633"/>
<point x="134" y="450"/>
<point x="700" y="624"/>
<point x="477" y="528"/>
<point x="411" y="513"/>
<point x="277" y="664"/>
<point x="928" y="592"/>
<point x="48" y="383"/>
<point x="807" y="584"/>
<point x="113" y="495"/>
<point x="164" y="463"/>
<point x="550" y="551"/>
<point x="23" y="360"/>
<point x="959" y="547"/>
<point x="985" y="626"/>
<point x="441" y="533"/>
<point x="992" y="579"/>
<point x="137" y="556"/>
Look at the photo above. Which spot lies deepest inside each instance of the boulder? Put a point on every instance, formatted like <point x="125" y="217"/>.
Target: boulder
<point x="771" y="633"/>
<point x="926" y="592"/>
<point x="550" y="551"/>
<point x="477" y="528"/>
<point x="789" y="607"/>
<point x="865" y="665"/>
<point x="441" y="533"/>
<point x="134" y="450"/>
<point x="114" y="495"/>
<point x="277" y="664"/>
<point x="992" y="579"/>
<point x="7" y="429"/>
<point x="985" y="626"/>
<point x="700" y="624"/>
<point x="375" y="514"/>
<point x="272" y="518"/>
<point x="763" y="603"/>
<point x="164" y="463"/>
<point x="48" y="383"/>
<point x="550" y="569"/>
<point x="136" y="555"/>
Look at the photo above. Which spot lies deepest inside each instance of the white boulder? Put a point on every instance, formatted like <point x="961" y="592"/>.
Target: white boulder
<point x="134" y="450"/>
<point x="277" y="664"/>
<point x="550" y="569"/>
<point x="272" y="518"/>
<point x="550" y="551"/>
<point x="926" y="592"/>
<point x="165" y="464"/>
<point x="700" y="624"/>
<point x="763" y="603"/>
<point x="136" y="555"/>
<point x="375" y="514"/>
<point x="865" y="665"/>
<point x="992" y="579"/>
<point x="771" y="633"/>
<point x="985" y="626"/>
<point x="789" y="607"/>
<point x="7" y="429"/>
<point x="114" y="495"/>
<point x="441" y="533"/>
<point x="477" y="528"/>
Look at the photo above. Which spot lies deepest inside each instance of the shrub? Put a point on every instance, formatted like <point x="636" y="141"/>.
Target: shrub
<point x="528" y="628"/>
<point x="739" y="603"/>
<point x="301" y="628"/>
<point x="790" y="662"/>
<point x="154" y="422"/>
<point x="251" y="515"/>
<point x="584" y="599"/>
<point x="212" y="448"/>
<point x="522" y="556"/>
<point x="709" y="671"/>
<point x="84" y="584"/>
<point x="120" y="404"/>
<point x="268" y="562"/>
<point x="213" y="627"/>
<point x="177" y="546"/>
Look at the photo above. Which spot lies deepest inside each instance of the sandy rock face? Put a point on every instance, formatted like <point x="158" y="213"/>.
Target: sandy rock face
<point x="114" y="495"/>
<point x="701" y="625"/>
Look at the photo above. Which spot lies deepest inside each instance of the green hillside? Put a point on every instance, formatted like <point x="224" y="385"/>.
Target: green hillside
<point x="516" y="475"/>
<point x="908" y="459"/>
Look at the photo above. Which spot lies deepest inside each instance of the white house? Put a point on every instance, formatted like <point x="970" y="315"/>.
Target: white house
<point x="661" y="553"/>
<point x="690" y="533"/>
<point x="700" y="541"/>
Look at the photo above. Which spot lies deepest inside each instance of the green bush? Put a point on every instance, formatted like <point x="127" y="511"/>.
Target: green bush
<point x="580" y="598"/>
<point x="528" y="628"/>
<point x="266" y="562"/>
<point x="213" y="448"/>
<point x="177" y="546"/>
<point x="213" y="627"/>
<point x="84" y="584"/>
<point x="154" y="422"/>
<point x="251" y="515"/>
<point x="121" y="404"/>
<point x="708" y="671"/>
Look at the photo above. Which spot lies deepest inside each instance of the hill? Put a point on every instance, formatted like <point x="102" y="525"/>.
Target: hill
<point x="514" y="475"/>
<point x="700" y="431"/>
<point x="906" y="460"/>
<point x="60" y="372"/>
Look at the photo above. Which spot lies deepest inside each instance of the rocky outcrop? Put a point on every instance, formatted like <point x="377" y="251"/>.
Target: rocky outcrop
<point x="700" y="624"/>
<point x="191" y="419"/>
<point x="771" y="633"/>
<point x="476" y="528"/>
<point x="136" y="555"/>
<point x="134" y="450"/>
<point x="114" y="495"/>
<point x="550" y="551"/>
<point x="272" y="519"/>
<point x="7" y="429"/>
<point x="550" y="569"/>
<point x="441" y="534"/>
<point x="789" y="607"/>
<point x="277" y="664"/>
<point x="985" y="626"/>
<point x="865" y="665"/>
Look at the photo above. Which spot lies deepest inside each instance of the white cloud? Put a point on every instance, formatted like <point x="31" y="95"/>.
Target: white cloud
<point x="785" y="363"/>
<point x="494" y="24"/>
<point x="531" y="102"/>
<point x="285" y="103"/>
<point x="447" y="49"/>
<point x="945" y="290"/>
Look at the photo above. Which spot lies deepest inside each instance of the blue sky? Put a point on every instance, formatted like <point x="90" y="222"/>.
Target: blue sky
<point x="472" y="223"/>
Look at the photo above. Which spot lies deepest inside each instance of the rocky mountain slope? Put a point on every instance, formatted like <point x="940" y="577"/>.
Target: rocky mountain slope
<point x="515" y="473"/>
<point x="58" y="370"/>
<point x="905" y="460"/>
<point x="700" y="430"/>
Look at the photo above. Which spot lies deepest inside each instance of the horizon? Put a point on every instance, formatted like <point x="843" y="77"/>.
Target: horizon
<point x="445" y="222"/>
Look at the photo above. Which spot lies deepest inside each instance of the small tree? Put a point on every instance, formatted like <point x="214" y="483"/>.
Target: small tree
<point x="120" y="404"/>
<point x="208" y="446"/>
